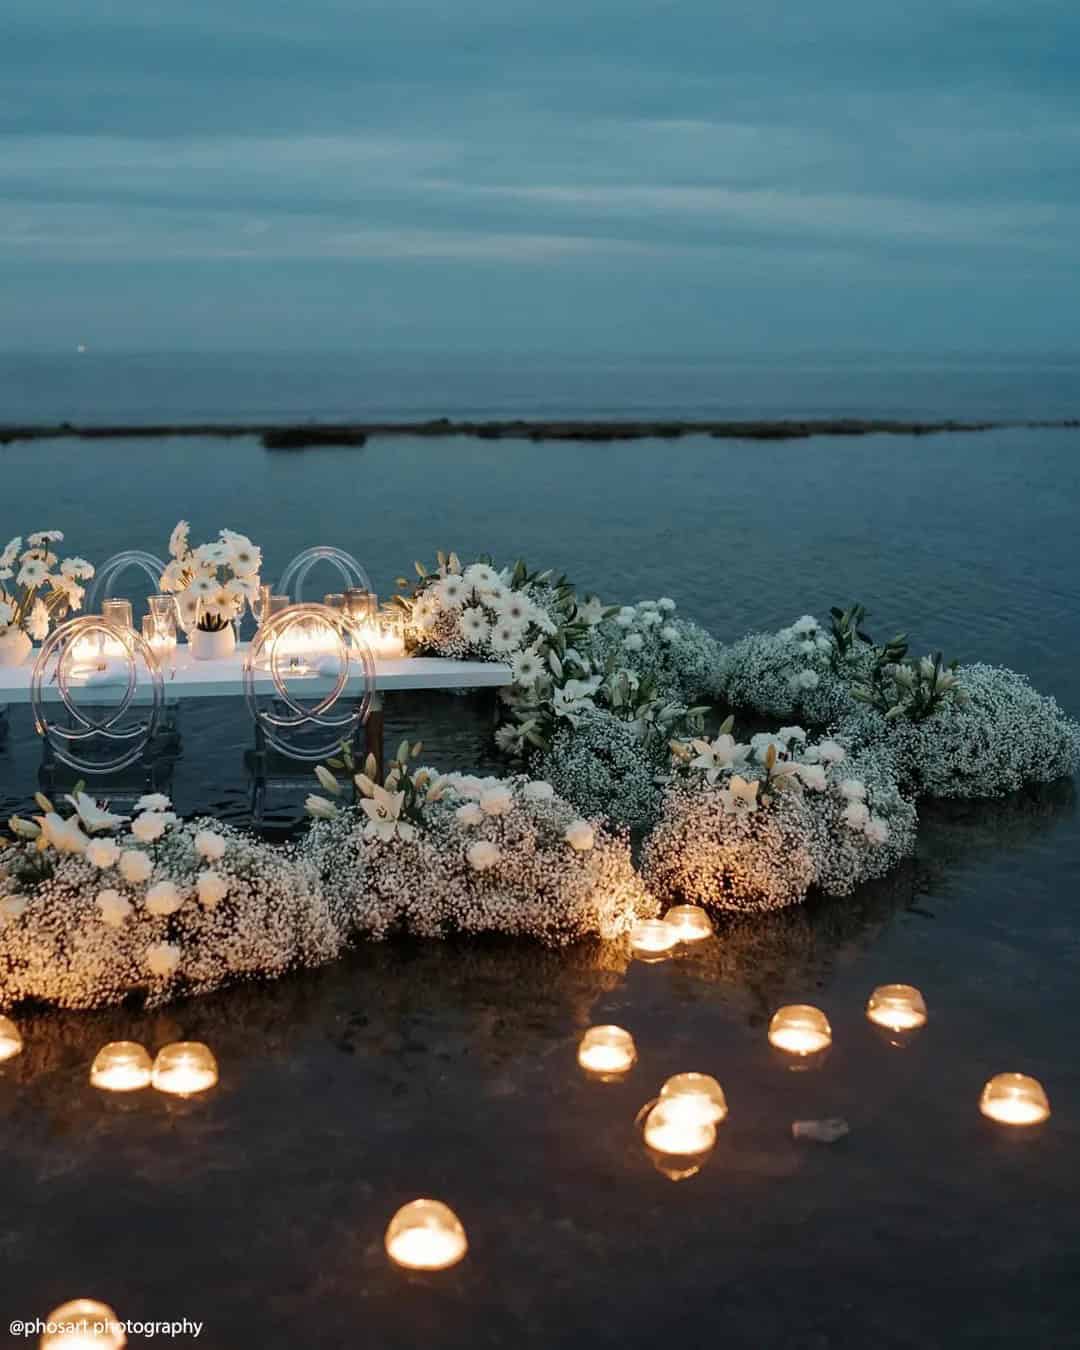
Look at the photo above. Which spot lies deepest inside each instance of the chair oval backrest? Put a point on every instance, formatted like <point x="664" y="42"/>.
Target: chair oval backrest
<point x="308" y="680"/>
<point x="114" y="731"/>
<point x="347" y="567"/>
<point x="101" y="588"/>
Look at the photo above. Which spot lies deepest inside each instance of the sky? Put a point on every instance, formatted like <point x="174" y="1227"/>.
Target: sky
<point x="567" y="176"/>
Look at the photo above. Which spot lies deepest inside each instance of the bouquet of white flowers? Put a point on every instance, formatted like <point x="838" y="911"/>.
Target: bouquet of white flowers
<point x="25" y="612"/>
<point x="213" y="582"/>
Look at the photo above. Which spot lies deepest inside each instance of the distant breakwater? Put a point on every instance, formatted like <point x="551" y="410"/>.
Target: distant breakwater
<point x="299" y="436"/>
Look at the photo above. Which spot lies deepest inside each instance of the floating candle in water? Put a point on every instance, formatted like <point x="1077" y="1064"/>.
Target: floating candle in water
<point x="800" y="1029"/>
<point x="426" y="1235"/>
<point x="11" y="1041"/>
<point x="121" y="1066"/>
<point x="652" y="938"/>
<point x="184" y="1068"/>
<point x="675" y="1132"/>
<point x="690" y="922"/>
<point x="1014" y="1099"/>
<point x="607" y="1052"/>
<point x="899" y="1007"/>
<point x="698" y="1097"/>
<point x="82" y="1324"/>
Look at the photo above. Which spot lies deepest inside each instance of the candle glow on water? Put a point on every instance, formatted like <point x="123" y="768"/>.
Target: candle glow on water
<point x="11" y="1041"/>
<point x="1014" y="1099"/>
<point x="653" y="937"/>
<point x="121" y="1066"/>
<point x="675" y="1132"/>
<point x="800" y="1029"/>
<point x="698" y="1097"/>
<point x="691" y="922"/>
<point x="607" y="1051"/>
<point x="898" y="1007"/>
<point x="426" y="1235"/>
<point x="184" y="1068"/>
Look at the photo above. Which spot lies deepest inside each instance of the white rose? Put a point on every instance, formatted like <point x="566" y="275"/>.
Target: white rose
<point x="666" y="604"/>
<point x="469" y="814"/>
<point x="877" y="830"/>
<point x="813" y="776"/>
<point x="163" y="898"/>
<point x="496" y="802"/>
<point x="148" y="827"/>
<point x="135" y="866"/>
<point x="579" y="835"/>
<point x="809" y="679"/>
<point x="634" y="642"/>
<point x="212" y="888"/>
<point x="153" y="801"/>
<point x="538" y="791"/>
<point x="831" y="752"/>
<point x="482" y="855"/>
<point x="114" y="908"/>
<point x="853" y="790"/>
<point x="163" y="958"/>
<point x="856" y="814"/>
<point x="102" y="852"/>
<point x="625" y="620"/>
<point x="209" y="845"/>
<point x="669" y="634"/>
<point x="791" y="734"/>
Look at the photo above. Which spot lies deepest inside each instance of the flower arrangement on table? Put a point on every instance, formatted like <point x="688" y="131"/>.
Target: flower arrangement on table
<point x="752" y="826"/>
<point x="36" y="589"/>
<point x="433" y="853"/>
<point x="213" y="584"/>
<point x="96" y="906"/>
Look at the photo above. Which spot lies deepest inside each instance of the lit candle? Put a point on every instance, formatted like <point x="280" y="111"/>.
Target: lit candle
<point x="697" y="1097"/>
<point x="1014" y="1099"/>
<point x="653" y="938"/>
<point x="690" y="922"/>
<point x="899" y="1007"/>
<point x="607" y="1052"/>
<point x="677" y="1133"/>
<point x="184" y="1068"/>
<point x="121" y="1066"/>
<point x="800" y="1030"/>
<point x="426" y="1235"/>
<point x="82" y="1324"/>
<point x="11" y="1041"/>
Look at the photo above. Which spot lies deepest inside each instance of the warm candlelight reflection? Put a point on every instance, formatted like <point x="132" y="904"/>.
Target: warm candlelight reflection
<point x="698" y="1097"/>
<point x="184" y="1068"/>
<point x="899" y="1007"/>
<point x="82" y="1324"/>
<point x="1014" y="1099"/>
<point x="691" y="922"/>
<point x="426" y="1235"/>
<point x="653" y="939"/>
<point x="800" y="1029"/>
<point x="607" y="1052"/>
<point x="11" y="1041"/>
<point x="671" y="1130"/>
<point x="121" y="1066"/>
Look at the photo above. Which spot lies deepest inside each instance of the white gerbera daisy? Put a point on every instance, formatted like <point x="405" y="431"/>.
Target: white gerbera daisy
<point x="32" y="573"/>
<point x="517" y="609"/>
<point x="474" y="625"/>
<point x="451" y="590"/>
<point x="246" y="559"/>
<point x="528" y="667"/>
<point x="38" y="623"/>
<point x="78" y="568"/>
<point x="480" y="577"/>
<point x="505" y="637"/>
<point x="42" y="537"/>
<point x="178" y="540"/>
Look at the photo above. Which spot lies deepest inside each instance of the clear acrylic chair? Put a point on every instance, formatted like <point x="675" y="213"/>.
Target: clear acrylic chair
<point x="107" y="575"/>
<point x="347" y="567"/>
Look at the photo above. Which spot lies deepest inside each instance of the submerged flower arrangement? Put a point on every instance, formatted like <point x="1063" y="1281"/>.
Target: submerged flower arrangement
<point x="751" y="827"/>
<point x="435" y="854"/>
<point x="96" y="907"/>
<point x="213" y="582"/>
<point x="36" y="588"/>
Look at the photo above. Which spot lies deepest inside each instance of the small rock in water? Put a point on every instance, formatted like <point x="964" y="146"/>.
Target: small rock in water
<point x="820" y="1131"/>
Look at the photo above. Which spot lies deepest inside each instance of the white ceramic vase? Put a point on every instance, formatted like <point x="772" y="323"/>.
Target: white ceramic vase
<point x="214" y="646"/>
<point x="15" y="647"/>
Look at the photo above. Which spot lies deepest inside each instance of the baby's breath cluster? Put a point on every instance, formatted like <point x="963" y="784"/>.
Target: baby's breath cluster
<point x="752" y="826"/>
<point x="95" y="908"/>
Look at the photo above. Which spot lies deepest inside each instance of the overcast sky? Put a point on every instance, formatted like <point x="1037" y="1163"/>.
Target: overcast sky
<point x="569" y="176"/>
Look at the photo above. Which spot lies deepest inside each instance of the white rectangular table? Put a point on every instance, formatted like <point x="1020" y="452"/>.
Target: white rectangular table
<point x="217" y="679"/>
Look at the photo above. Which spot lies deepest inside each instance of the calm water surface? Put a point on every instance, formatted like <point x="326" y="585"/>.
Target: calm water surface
<point x="448" y="1070"/>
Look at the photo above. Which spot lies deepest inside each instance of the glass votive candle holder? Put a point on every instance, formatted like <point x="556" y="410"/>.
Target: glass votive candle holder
<point x="361" y="605"/>
<point x="184" y="1068"/>
<point x="607" y="1053"/>
<point x="698" y="1097"/>
<point x="118" y="613"/>
<point x="164" y="612"/>
<point x="800" y="1030"/>
<point x="426" y="1235"/>
<point x="335" y="600"/>
<point x="11" y="1041"/>
<point x="897" y="1007"/>
<point x="160" y="640"/>
<point x="653" y="939"/>
<point x="1014" y="1099"/>
<point x="121" y="1066"/>
<point x="81" y="1324"/>
<point x="691" y="922"/>
<point x="675" y="1133"/>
